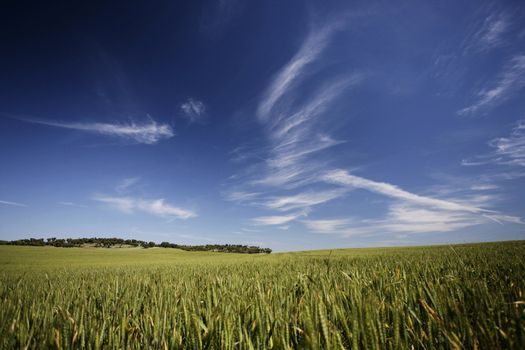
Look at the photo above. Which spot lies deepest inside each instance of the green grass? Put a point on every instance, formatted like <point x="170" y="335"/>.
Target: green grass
<point x="465" y="296"/>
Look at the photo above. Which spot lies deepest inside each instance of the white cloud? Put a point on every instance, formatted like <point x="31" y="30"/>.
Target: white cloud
<point x="495" y="27"/>
<point x="148" y="133"/>
<point x="71" y="204"/>
<point x="410" y="213"/>
<point x="508" y="218"/>
<point x="240" y="196"/>
<point x="509" y="151"/>
<point x="411" y="218"/>
<point x="326" y="226"/>
<point x="245" y="152"/>
<point x="291" y="123"/>
<point x="407" y="218"/>
<point x="484" y="187"/>
<point x="157" y="207"/>
<point x="276" y="220"/>
<point x="490" y="33"/>
<point x="250" y="230"/>
<point x="295" y="139"/>
<point x="310" y="50"/>
<point x="126" y="183"/>
<point x="510" y="81"/>
<point x="193" y="110"/>
<point x="13" y="203"/>
<point x="342" y="177"/>
<point x="302" y="200"/>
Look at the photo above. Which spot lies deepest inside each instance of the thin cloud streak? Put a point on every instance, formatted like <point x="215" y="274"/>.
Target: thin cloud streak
<point x="240" y="196"/>
<point x="16" y="204"/>
<point x="126" y="183"/>
<point x="303" y="200"/>
<point x="342" y="177"/>
<point x="510" y="81"/>
<point x="71" y="204"/>
<point x="326" y="225"/>
<point x="310" y="50"/>
<point x="157" y="207"/>
<point x="147" y="133"/>
<point x="484" y="187"/>
<point x="276" y="220"/>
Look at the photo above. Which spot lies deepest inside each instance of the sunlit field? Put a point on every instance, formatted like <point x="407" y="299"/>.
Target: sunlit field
<point x="462" y="296"/>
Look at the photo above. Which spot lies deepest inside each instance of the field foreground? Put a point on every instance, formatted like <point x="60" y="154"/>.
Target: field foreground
<point x="462" y="296"/>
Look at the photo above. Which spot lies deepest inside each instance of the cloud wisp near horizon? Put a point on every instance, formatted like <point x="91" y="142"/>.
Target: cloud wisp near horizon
<point x="158" y="207"/>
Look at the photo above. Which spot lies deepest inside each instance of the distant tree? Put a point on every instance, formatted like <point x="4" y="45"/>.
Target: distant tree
<point x="114" y="241"/>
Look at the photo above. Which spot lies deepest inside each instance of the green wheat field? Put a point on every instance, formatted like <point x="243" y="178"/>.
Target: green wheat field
<point x="441" y="297"/>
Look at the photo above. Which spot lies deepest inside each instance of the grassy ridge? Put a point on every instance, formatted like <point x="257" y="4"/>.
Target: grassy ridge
<point x="468" y="296"/>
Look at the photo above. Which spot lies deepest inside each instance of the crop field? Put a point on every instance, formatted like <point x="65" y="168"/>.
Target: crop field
<point x="441" y="297"/>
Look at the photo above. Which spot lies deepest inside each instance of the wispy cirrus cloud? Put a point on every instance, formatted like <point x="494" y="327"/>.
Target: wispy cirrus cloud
<point x="492" y="32"/>
<point x="410" y="212"/>
<point x="16" y="204"/>
<point x="327" y="225"/>
<point x="407" y="218"/>
<point x="194" y="111"/>
<point x="72" y="204"/>
<point x="484" y="187"/>
<point x="303" y="200"/>
<point x="293" y="71"/>
<point x="291" y="118"/>
<point x="413" y="218"/>
<point x="344" y="178"/>
<point x="126" y="183"/>
<point x="489" y="33"/>
<point x="241" y="196"/>
<point x="292" y="163"/>
<point x="277" y="219"/>
<point x="158" y="207"/>
<point x="509" y="151"/>
<point x="510" y="81"/>
<point x="295" y="140"/>
<point x="149" y="132"/>
<point x="291" y="123"/>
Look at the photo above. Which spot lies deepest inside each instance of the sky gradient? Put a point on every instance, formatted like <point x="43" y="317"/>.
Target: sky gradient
<point x="291" y="125"/>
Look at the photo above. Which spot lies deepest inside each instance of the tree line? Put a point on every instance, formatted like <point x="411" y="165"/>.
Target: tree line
<point x="114" y="242"/>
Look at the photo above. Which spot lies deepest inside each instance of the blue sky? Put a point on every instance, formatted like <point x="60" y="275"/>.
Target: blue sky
<point x="290" y="125"/>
